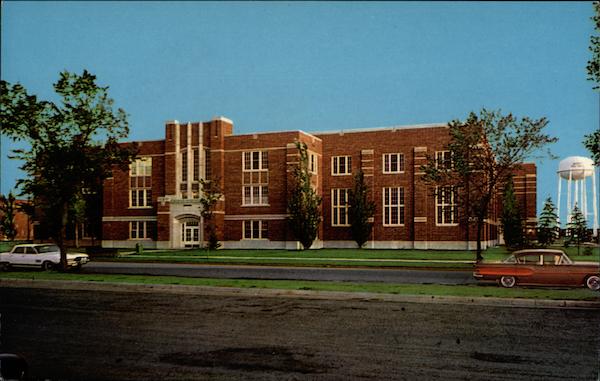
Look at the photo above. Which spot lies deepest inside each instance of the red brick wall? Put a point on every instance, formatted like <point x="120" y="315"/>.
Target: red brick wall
<point x="366" y="149"/>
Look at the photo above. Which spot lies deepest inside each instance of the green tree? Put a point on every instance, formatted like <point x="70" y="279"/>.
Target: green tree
<point x="511" y="218"/>
<point x="547" y="229"/>
<point x="8" y="208"/>
<point x="593" y="65"/>
<point x="73" y="143"/>
<point x="577" y="230"/>
<point x="211" y="194"/>
<point x="77" y="213"/>
<point x="592" y="143"/>
<point x="485" y="150"/>
<point x="303" y="202"/>
<point x="361" y="210"/>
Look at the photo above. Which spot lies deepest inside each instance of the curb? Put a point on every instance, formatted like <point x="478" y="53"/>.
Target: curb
<point x="303" y="294"/>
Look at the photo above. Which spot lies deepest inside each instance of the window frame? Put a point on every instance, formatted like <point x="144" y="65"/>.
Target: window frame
<point x="337" y="210"/>
<point x="440" y="158"/>
<point x="146" y="230"/>
<point x="400" y="163"/>
<point x="454" y="212"/>
<point x="388" y="206"/>
<point x="262" y="230"/>
<point x="141" y="168"/>
<point x="262" y="160"/>
<point x="336" y="165"/>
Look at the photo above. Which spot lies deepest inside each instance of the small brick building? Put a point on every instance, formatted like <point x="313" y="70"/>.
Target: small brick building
<point x="157" y="204"/>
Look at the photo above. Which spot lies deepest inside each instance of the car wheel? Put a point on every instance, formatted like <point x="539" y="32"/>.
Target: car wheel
<point x="508" y="281"/>
<point x="593" y="282"/>
<point x="47" y="266"/>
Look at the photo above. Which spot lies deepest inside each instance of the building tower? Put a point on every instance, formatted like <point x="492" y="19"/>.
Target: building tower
<point x="575" y="170"/>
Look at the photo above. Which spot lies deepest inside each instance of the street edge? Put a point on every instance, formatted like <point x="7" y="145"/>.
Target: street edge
<point x="303" y="294"/>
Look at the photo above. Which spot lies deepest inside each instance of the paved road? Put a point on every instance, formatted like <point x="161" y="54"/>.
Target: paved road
<point x="101" y="335"/>
<point x="272" y="272"/>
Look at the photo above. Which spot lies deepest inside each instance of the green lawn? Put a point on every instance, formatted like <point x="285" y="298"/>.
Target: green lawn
<point x="385" y="288"/>
<point x="448" y="259"/>
<point x="456" y="259"/>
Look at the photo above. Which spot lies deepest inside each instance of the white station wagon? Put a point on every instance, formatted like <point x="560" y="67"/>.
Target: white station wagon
<point x="45" y="256"/>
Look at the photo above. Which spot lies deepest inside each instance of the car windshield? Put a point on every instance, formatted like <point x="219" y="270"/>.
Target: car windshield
<point x="47" y="249"/>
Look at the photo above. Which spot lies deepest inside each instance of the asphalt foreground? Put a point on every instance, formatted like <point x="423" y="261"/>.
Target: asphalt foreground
<point x="104" y="334"/>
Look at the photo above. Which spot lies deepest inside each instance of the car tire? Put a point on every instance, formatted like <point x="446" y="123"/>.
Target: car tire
<point x="593" y="282"/>
<point x="47" y="266"/>
<point x="508" y="281"/>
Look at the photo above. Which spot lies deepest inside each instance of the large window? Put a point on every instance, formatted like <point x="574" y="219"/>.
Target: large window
<point x="255" y="178"/>
<point x="256" y="161"/>
<point x="393" y="163"/>
<point x="142" y="229"/>
<point x="445" y="205"/>
<point x="341" y="165"/>
<point x="140" y="183"/>
<point x="443" y="159"/>
<point x="339" y="207"/>
<point x="393" y="206"/>
<point x="312" y="162"/>
<point x="255" y="229"/>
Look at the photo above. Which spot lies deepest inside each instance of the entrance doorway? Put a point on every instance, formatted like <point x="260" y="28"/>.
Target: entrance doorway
<point x="190" y="233"/>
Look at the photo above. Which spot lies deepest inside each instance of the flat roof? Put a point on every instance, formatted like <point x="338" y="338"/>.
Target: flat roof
<point x="389" y="128"/>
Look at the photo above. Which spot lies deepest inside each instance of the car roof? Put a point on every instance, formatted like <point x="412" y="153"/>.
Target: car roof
<point x="34" y="244"/>
<point x="538" y="251"/>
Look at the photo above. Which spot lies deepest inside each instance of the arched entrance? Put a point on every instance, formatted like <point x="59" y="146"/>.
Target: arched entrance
<point x="191" y="231"/>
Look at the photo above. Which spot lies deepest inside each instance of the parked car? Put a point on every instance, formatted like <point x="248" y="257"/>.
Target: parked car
<point x="540" y="267"/>
<point x="45" y="256"/>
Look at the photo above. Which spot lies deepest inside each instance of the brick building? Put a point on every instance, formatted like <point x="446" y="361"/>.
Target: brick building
<point x="157" y="203"/>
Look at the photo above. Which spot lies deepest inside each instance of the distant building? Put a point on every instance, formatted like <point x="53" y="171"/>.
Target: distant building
<point x="23" y="223"/>
<point x="156" y="202"/>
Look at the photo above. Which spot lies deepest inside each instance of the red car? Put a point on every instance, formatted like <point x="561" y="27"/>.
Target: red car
<point x="540" y="267"/>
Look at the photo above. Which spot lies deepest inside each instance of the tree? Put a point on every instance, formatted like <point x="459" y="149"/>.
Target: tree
<point x="510" y="217"/>
<point x="8" y="208"/>
<point x="485" y="150"/>
<point x="211" y="194"/>
<point x="303" y="202"/>
<point x="547" y="230"/>
<point x="593" y="65"/>
<point x="577" y="228"/>
<point x="361" y="210"/>
<point x="77" y="214"/>
<point x="592" y="143"/>
<point x="73" y="144"/>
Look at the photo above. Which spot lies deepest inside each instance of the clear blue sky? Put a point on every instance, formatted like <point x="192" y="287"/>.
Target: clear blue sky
<point x="314" y="66"/>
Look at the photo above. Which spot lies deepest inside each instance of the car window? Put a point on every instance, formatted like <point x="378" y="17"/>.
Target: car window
<point x="48" y="248"/>
<point x="30" y="250"/>
<point x="551" y="259"/>
<point x="531" y="259"/>
<point x="511" y="259"/>
<point x="564" y="260"/>
<point x="19" y="250"/>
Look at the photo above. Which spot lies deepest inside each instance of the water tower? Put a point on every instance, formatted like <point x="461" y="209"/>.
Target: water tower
<point x="576" y="170"/>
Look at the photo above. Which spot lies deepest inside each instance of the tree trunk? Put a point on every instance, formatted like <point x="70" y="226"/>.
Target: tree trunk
<point x="77" y="235"/>
<point x="60" y="241"/>
<point x="479" y="231"/>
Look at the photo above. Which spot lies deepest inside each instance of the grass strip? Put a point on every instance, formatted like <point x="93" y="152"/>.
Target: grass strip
<point x="298" y="262"/>
<point x="385" y="288"/>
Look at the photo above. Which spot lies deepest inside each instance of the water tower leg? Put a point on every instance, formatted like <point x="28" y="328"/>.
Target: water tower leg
<point x="584" y="199"/>
<point x="558" y="200"/>
<point x="594" y="204"/>
<point x="569" y="199"/>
